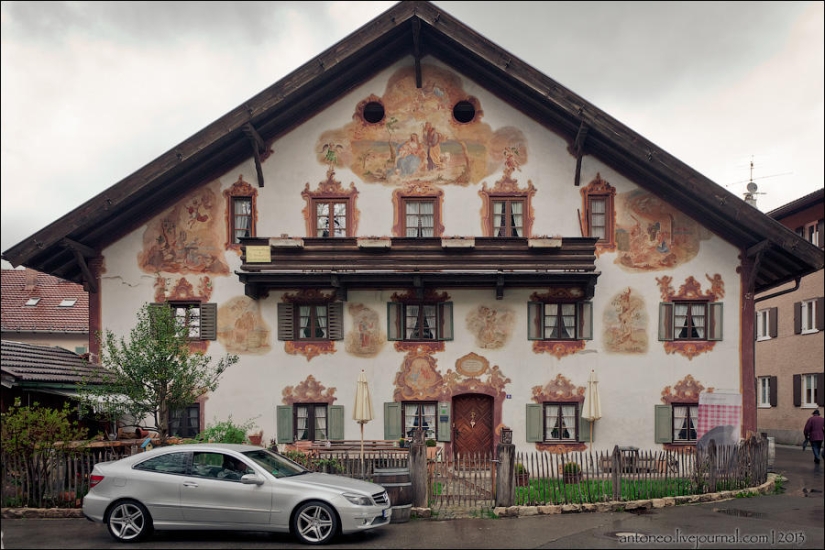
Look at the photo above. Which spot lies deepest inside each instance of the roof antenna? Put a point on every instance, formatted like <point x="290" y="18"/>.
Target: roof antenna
<point x="750" y="195"/>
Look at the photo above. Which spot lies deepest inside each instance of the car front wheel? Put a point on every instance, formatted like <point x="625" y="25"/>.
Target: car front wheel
<point x="129" y="521"/>
<point x="315" y="523"/>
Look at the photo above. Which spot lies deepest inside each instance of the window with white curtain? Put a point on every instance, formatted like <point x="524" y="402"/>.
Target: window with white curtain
<point x="310" y="422"/>
<point x="560" y="320"/>
<point x="689" y="319"/>
<point x="241" y="218"/>
<point x="508" y="217"/>
<point x="420" y="414"/>
<point x="312" y="322"/>
<point x="597" y="216"/>
<point x="420" y="218"/>
<point x="764" y="390"/>
<point x="561" y="421"/>
<point x="684" y="422"/>
<point x="330" y="217"/>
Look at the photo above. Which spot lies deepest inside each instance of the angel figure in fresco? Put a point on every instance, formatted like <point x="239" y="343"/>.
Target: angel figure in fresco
<point x="411" y="155"/>
<point x="511" y="162"/>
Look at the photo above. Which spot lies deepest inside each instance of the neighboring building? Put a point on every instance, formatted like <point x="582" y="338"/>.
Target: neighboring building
<point x="790" y="335"/>
<point x="47" y="376"/>
<point x="38" y="308"/>
<point x="419" y="203"/>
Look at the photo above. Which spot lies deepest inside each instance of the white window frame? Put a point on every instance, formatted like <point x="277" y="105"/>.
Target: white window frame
<point x="809" y="391"/>
<point x="811" y="233"/>
<point x="763" y="324"/>
<point x="808" y="319"/>
<point x="764" y="392"/>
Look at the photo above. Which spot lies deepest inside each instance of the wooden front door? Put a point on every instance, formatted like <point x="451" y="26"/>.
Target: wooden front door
<point x="472" y="424"/>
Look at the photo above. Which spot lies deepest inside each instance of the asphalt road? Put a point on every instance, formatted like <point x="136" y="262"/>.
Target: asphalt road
<point x="790" y="519"/>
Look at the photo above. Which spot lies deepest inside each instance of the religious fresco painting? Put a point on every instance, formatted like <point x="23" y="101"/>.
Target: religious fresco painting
<point x="241" y="328"/>
<point x="691" y="290"/>
<point x="427" y="135"/>
<point x="559" y="390"/>
<point x="651" y="235"/>
<point x="366" y="338"/>
<point x="625" y="323"/>
<point x="187" y="238"/>
<point x="491" y="326"/>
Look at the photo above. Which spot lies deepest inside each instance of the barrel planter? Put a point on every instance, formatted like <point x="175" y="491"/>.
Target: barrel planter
<point x="398" y="484"/>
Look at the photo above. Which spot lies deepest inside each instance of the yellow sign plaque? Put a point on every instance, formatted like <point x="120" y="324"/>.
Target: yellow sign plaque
<point x="258" y="254"/>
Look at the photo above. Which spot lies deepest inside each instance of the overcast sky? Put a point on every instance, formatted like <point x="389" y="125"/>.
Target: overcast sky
<point x="92" y="91"/>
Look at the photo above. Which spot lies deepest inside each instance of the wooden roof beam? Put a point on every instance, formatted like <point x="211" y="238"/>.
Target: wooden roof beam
<point x="258" y="147"/>
<point x="81" y="252"/>
<point x="416" y="36"/>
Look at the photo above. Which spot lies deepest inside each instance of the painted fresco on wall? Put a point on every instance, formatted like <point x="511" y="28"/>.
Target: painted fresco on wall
<point x="686" y="390"/>
<point x="241" y="328"/>
<point x="366" y="338"/>
<point x="491" y="326"/>
<point x="559" y="390"/>
<point x="625" y="323"/>
<point x="651" y="235"/>
<point x="188" y="238"/>
<point x="418" y="139"/>
<point x="691" y="290"/>
<point x="308" y="391"/>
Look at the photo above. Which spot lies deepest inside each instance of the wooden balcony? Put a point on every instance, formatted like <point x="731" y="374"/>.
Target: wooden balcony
<point x="437" y="263"/>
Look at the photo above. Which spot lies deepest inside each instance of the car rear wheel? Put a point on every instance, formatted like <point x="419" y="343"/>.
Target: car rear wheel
<point x="129" y="521"/>
<point x="315" y="523"/>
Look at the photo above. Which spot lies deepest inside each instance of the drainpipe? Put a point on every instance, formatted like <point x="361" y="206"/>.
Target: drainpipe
<point x="797" y="280"/>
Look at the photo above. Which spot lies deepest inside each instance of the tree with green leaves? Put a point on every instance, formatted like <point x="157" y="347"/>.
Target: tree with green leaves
<point x="154" y="371"/>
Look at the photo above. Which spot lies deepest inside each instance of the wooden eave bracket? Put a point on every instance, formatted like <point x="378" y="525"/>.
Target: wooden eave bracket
<point x="499" y="287"/>
<point x="578" y="147"/>
<point x="416" y="36"/>
<point x="755" y="252"/>
<point x="258" y="147"/>
<point x="340" y="290"/>
<point x="81" y="252"/>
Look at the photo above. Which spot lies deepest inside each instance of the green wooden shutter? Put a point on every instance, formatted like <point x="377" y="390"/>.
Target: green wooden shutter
<point x="209" y="321"/>
<point x="395" y="322"/>
<point x="584" y="430"/>
<point x="534" y="423"/>
<point x="286" y="321"/>
<point x="535" y="325"/>
<point x="714" y="329"/>
<point x="663" y="424"/>
<point x="444" y="421"/>
<point x="286" y="434"/>
<point x="665" y="321"/>
<point x="335" y="422"/>
<point x="335" y="312"/>
<point x="445" y="318"/>
<point x="585" y="320"/>
<point x="392" y="420"/>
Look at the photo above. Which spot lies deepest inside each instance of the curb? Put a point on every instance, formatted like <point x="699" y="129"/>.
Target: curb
<point x="501" y="511"/>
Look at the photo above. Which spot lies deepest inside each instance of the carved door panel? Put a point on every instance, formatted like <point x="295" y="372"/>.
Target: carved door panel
<point x="473" y="424"/>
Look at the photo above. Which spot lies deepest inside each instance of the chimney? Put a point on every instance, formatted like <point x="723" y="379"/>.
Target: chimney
<point x="31" y="279"/>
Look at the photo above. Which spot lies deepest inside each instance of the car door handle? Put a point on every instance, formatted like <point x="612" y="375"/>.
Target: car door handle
<point x="190" y="484"/>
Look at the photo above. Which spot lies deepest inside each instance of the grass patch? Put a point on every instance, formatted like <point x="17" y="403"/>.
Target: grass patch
<point x="555" y="491"/>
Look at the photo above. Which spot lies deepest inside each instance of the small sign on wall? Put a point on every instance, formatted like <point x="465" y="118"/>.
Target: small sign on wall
<point x="258" y="254"/>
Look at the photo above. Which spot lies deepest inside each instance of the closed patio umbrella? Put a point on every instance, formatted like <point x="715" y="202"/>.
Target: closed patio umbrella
<point x="592" y="406"/>
<point x="362" y="412"/>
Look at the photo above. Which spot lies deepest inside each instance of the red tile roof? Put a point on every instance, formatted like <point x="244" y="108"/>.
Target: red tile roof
<point x="47" y="316"/>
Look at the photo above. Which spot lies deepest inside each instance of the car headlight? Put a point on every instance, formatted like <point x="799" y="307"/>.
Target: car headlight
<point x="358" y="500"/>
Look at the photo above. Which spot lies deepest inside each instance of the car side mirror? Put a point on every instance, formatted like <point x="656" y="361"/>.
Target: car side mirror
<point x="252" y="479"/>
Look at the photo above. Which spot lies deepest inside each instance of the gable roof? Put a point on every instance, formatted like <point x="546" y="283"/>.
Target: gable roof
<point x="32" y="365"/>
<point x="417" y="29"/>
<point x="47" y="315"/>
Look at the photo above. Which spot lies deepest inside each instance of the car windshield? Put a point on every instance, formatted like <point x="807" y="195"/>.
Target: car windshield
<point x="275" y="464"/>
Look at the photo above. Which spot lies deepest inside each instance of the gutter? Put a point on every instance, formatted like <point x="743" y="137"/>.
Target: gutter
<point x="797" y="280"/>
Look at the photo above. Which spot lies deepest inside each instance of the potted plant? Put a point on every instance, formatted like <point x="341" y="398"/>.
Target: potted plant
<point x="522" y="475"/>
<point x="572" y="472"/>
<point x="431" y="448"/>
<point x="402" y="442"/>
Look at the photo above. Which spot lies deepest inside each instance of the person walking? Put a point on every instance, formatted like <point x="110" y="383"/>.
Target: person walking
<point x="814" y="431"/>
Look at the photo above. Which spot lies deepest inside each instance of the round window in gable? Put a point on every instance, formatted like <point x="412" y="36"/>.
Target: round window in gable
<point x="373" y="112"/>
<point x="464" y="111"/>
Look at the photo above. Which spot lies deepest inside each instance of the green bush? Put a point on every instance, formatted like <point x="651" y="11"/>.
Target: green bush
<point x="431" y="443"/>
<point x="226" y="432"/>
